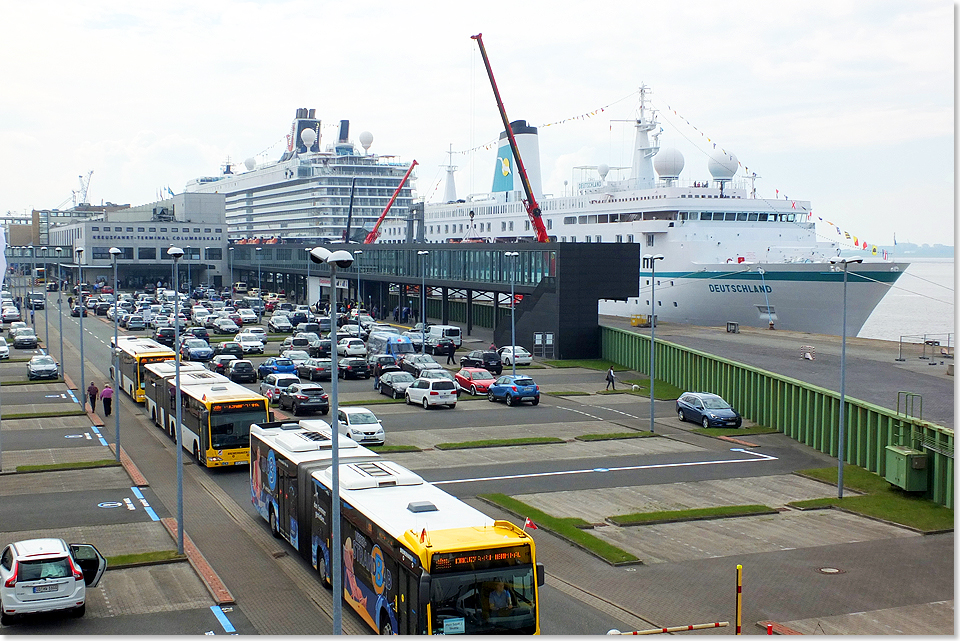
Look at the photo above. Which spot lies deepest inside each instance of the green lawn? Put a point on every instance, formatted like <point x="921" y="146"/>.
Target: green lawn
<point x="501" y="442"/>
<point x="670" y="516"/>
<point x="81" y="465"/>
<point x="734" y="431"/>
<point x="614" y="435"/>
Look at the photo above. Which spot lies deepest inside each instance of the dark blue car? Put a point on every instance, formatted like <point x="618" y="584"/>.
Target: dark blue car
<point x="707" y="409"/>
<point x="276" y="365"/>
<point x="514" y="389"/>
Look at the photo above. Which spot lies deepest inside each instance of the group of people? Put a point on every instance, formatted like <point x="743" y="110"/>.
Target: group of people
<point x="105" y="395"/>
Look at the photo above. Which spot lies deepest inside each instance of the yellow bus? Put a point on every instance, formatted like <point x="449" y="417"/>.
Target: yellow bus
<point x="155" y="377"/>
<point x="135" y="353"/>
<point x="416" y="560"/>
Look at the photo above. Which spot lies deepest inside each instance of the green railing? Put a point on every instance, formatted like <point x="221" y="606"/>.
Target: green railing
<point x="804" y="412"/>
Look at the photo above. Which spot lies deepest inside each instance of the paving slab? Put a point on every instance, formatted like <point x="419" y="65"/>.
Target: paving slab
<point x="12" y="460"/>
<point x="63" y="481"/>
<point x="111" y="540"/>
<point x="915" y="620"/>
<point x="80" y="421"/>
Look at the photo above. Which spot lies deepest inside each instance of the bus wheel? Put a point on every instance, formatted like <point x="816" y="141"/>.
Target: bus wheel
<point x="196" y="454"/>
<point x="385" y="626"/>
<point x="322" y="570"/>
<point x="274" y="525"/>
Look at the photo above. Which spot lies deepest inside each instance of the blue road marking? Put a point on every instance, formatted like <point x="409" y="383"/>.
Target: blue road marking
<point x="99" y="436"/>
<point x="70" y="392"/>
<point x="146" y="506"/>
<point x="222" y="618"/>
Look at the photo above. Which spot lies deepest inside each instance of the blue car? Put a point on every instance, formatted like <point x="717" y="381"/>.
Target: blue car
<point x="514" y="389"/>
<point x="276" y="365"/>
<point x="707" y="409"/>
<point x="196" y="349"/>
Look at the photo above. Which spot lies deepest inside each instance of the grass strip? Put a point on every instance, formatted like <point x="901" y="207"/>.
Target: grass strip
<point x="79" y="465"/>
<point x="7" y="417"/>
<point x="390" y="449"/>
<point x="698" y="514"/>
<point x="571" y="529"/>
<point x="144" y="558"/>
<point x="373" y="401"/>
<point x="37" y="382"/>
<point x="880" y="501"/>
<point x="503" y="442"/>
<point x="566" y="393"/>
<point x="661" y="391"/>
<point x="614" y="436"/>
<point x="734" y="431"/>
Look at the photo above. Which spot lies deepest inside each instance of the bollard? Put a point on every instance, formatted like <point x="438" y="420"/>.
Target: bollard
<point x="739" y="597"/>
<point x="769" y="628"/>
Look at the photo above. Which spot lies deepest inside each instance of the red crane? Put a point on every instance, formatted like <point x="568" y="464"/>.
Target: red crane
<point x="375" y="234"/>
<point x="533" y="209"/>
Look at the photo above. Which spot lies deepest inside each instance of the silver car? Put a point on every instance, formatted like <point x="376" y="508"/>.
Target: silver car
<point x="42" y="367"/>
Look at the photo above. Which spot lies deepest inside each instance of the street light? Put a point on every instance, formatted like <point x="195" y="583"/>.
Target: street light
<point x="83" y="376"/>
<point x="843" y="358"/>
<point x="60" y="306"/>
<point x="115" y="370"/>
<point x="176" y="254"/>
<point x="230" y="257"/>
<point x="423" y="302"/>
<point x="513" y="311"/>
<point x="652" y="258"/>
<point x="30" y="282"/>
<point x="259" y="284"/>
<point x="307" y="249"/>
<point x="188" y="254"/>
<point x="341" y="258"/>
<point x="356" y="255"/>
<point x="46" y="326"/>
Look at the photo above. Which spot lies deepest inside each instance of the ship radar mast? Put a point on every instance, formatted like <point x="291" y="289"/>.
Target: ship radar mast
<point x="641" y="174"/>
<point x="450" y="185"/>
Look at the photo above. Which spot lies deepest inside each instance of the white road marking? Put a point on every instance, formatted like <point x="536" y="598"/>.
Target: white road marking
<point x="610" y="409"/>
<point x="570" y="409"/>
<point x="129" y="504"/>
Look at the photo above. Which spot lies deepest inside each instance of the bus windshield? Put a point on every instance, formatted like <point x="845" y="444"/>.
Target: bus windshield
<point x="231" y="428"/>
<point x="471" y="603"/>
<point x="146" y="360"/>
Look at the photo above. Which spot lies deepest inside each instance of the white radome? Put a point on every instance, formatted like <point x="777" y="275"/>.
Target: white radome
<point x="723" y="166"/>
<point x="308" y="136"/>
<point x="668" y="163"/>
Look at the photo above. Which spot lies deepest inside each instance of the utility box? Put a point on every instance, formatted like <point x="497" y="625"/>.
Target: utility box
<point x="906" y="468"/>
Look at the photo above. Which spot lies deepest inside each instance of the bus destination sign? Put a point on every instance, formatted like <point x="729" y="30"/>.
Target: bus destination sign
<point x="474" y="560"/>
<point x="238" y="406"/>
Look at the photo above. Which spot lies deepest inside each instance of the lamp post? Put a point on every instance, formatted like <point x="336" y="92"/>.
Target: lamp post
<point x="230" y="257"/>
<point x="115" y="370"/>
<point x="187" y="255"/>
<point x="843" y="358"/>
<point x="652" y="258"/>
<point x="259" y="284"/>
<point x="307" y="249"/>
<point x="341" y="258"/>
<point x="29" y="292"/>
<point x="83" y="377"/>
<point x="46" y="325"/>
<point x="356" y="255"/>
<point x="513" y="311"/>
<point x="423" y="302"/>
<point x="60" y="305"/>
<point x="176" y="254"/>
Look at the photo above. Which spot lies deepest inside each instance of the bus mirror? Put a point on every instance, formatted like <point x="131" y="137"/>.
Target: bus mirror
<point x="540" y="574"/>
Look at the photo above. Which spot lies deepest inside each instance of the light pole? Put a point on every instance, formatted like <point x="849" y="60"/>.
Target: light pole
<point x="176" y="254"/>
<point x="29" y="292"/>
<point x="341" y="258"/>
<point x="356" y="255"/>
<point x="652" y="258"/>
<point x="115" y="370"/>
<point x="259" y="284"/>
<point x="423" y="302"/>
<point x="843" y="359"/>
<point x="187" y="256"/>
<point x="46" y="279"/>
<point x="513" y="311"/>
<point x="307" y="249"/>
<point x="230" y="257"/>
<point x="60" y="306"/>
<point x="83" y="308"/>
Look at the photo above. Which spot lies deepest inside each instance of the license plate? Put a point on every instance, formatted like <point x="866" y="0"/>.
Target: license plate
<point x="44" y="588"/>
<point x="731" y="422"/>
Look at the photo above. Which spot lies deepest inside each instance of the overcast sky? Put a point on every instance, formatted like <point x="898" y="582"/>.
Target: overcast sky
<point x="846" y="104"/>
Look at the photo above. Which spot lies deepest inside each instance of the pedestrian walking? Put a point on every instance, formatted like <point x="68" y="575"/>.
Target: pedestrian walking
<point x="451" y="350"/>
<point x="92" y="393"/>
<point x="611" y="379"/>
<point x="106" y="395"/>
<point x="32" y="321"/>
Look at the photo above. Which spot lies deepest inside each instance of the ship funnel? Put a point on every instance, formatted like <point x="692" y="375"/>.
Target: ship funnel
<point x="505" y="178"/>
<point x="344" y="131"/>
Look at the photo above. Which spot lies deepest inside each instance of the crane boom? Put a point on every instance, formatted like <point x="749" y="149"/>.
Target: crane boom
<point x="375" y="234"/>
<point x="533" y="209"/>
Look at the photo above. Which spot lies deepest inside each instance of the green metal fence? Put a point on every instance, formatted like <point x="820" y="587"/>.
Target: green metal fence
<point x="802" y="411"/>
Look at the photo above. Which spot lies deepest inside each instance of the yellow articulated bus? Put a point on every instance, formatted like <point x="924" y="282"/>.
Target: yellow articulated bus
<point x="135" y="353"/>
<point x="157" y="402"/>
<point x="415" y="559"/>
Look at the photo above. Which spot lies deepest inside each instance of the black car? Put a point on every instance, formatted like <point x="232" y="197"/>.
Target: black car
<point x="379" y="361"/>
<point x="315" y="346"/>
<point x="439" y="346"/>
<point x="102" y="307"/>
<point x="242" y="371"/>
<point x="77" y="310"/>
<point x="707" y="409"/>
<point x="314" y="369"/>
<point x="229" y="347"/>
<point x="417" y="364"/>
<point x="488" y="360"/>
<point x="304" y="397"/>
<point x="296" y="317"/>
<point x="197" y="332"/>
<point x="219" y="363"/>
<point x="394" y="383"/>
<point x="165" y="336"/>
<point x="353" y="368"/>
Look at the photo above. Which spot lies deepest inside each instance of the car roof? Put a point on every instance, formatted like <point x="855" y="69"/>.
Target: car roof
<point x="40" y="548"/>
<point x="355" y="410"/>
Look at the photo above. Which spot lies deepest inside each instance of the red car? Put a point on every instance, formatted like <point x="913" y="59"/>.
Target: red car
<point x="474" y="380"/>
<point x="236" y="318"/>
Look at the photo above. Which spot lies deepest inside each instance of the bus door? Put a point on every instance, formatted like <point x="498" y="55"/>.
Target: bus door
<point x="408" y="601"/>
<point x="287" y="493"/>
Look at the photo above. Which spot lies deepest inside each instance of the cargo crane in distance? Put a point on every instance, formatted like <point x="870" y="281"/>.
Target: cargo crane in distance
<point x="533" y="209"/>
<point x="375" y="234"/>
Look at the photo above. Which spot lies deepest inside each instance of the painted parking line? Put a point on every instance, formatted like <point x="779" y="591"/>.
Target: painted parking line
<point x="143" y="502"/>
<point x="610" y="409"/>
<point x="222" y="618"/>
<point x="570" y="409"/>
<point x="103" y="441"/>
<point x="758" y="458"/>
<point x="75" y="400"/>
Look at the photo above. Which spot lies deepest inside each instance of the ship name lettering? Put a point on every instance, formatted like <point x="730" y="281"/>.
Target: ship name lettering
<point x="740" y="289"/>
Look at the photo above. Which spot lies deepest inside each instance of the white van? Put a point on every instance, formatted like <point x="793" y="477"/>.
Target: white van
<point x="445" y="331"/>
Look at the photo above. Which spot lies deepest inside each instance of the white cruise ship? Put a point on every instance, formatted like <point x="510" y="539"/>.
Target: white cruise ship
<point x="309" y="193"/>
<point x="728" y="255"/>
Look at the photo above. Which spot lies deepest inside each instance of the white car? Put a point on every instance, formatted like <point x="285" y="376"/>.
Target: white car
<point x="4" y="348"/>
<point x="45" y="575"/>
<point x="273" y="383"/>
<point x="510" y="354"/>
<point x="199" y="313"/>
<point x="248" y="316"/>
<point x="298" y="356"/>
<point x="432" y="391"/>
<point x="250" y="343"/>
<point x="259" y="332"/>
<point x="351" y="347"/>
<point x="361" y="425"/>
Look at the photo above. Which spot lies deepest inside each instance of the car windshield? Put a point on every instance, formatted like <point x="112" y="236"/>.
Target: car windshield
<point x="242" y="366"/>
<point x="196" y="344"/>
<point x="481" y="376"/>
<point x="312" y="391"/>
<point x="401" y="377"/>
<point x="715" y="403"/>
<point x="361" y="418"/>
<point x="523" y="381"/>
<point x="296" y="354"/>
<point x="43" y="360"/>
<point x="286" y="382"/>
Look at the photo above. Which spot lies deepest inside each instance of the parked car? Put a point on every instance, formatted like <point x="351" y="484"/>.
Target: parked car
<point x="514" y="389"/>
<point x="4" y="349"/>
<point x="315" y="344"/>
<point x="276" y="365"/>
<point x="474" y="380"/>
<point x="198" y="332"/>
<point x="510" y="354"/>
<point x="379" y="361"/>
<point x="36" y="300"/>
<point x="241" y="371"/>
<point x="486" y="359"/>
<point x="196" y="349"/>
<point x="429" y="392"/>
<point x="361" y="425"/>
<point x="273" y="383"/>
<point x="355" y="330"/>
<point x="25" y="338"/>
<point x="439" y="345"/>
<point x="351" y="347"/>
<point x="353" y="368"/>
<point x="11" y="332"/>
<point x="102" y="307"/>
<point x="42" y="367"/>
<point x="250" y="343"/>
<point x="306" y="397"/>
<point x="298" y="356"/>
<point x="279" y="324"/>
<point x="75" y="312"/>
<point x="315" y="369"/>
<point x="440" y="373"/>
<point x="707" y="409"/>
<point x="248" y="316"/>
<point x="417" y="363"/>
<point x="292" y="342"/>
<point x="10" y="314"/>
<point x="220" y="362"/>
<point x="228" y="347"/>
<point x="395" y="383"/>
<point x="165" y="335"/>
<point x="224" y="325"/>
<point x="47" y="575"/>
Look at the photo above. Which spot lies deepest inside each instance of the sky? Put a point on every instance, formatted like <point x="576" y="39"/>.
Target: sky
<point x="847" y="104"/>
